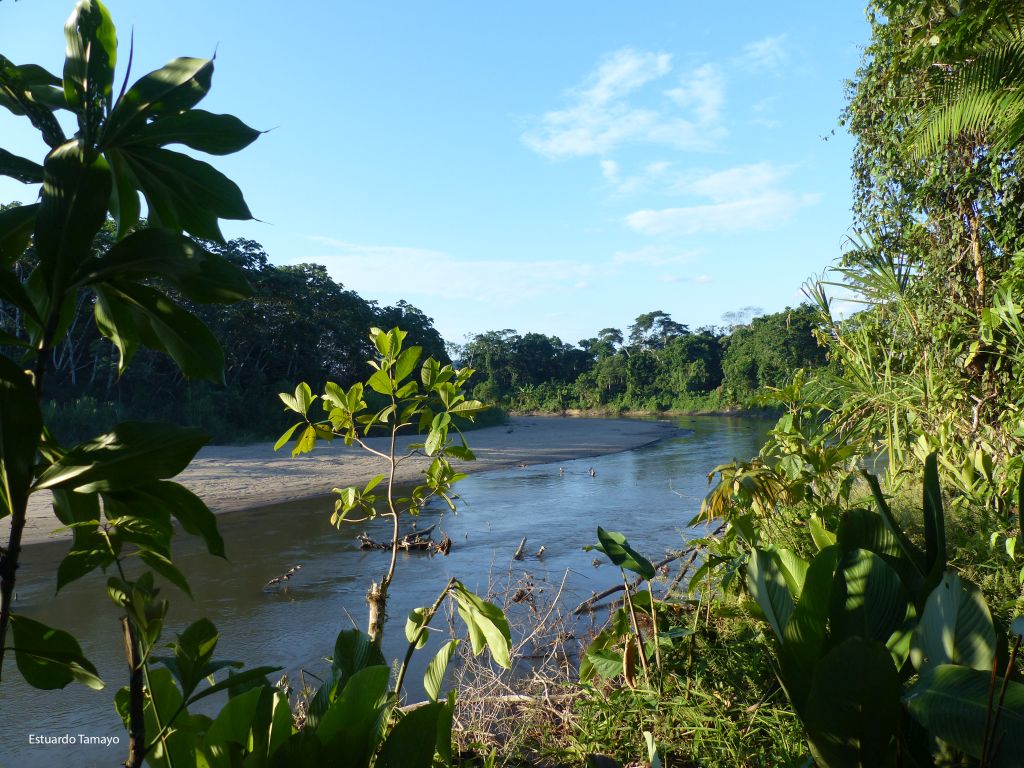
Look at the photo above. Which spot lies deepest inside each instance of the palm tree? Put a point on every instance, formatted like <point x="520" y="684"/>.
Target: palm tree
<point x="980" y="89"/>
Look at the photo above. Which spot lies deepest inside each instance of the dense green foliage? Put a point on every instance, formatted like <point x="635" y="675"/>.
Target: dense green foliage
<point x="298" y="324"/>
<point x="660" y="366"/>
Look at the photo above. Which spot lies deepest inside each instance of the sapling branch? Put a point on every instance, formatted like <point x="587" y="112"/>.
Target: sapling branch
<point x="414" y="643"/>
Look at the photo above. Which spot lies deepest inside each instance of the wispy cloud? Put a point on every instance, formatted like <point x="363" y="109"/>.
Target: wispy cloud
<point x="767" y="54"/>
<point x="741" y="198"/>
<point x="604" y="112"/>
<point x="695" y="280"/>
<point x="654" y="173"/>
<point x="410" y="272"/>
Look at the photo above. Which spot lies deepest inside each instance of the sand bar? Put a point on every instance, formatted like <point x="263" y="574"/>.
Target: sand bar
<point x="230" y="478"/>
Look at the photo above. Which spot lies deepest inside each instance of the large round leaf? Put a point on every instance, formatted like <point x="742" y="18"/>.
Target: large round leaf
<point x="952" y="702"/>
<point x="955" y="628"/>
<point x="853" y="709"/>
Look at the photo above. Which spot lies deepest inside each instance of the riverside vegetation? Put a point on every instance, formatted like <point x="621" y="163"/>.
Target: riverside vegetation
<point x="856" y="597"/>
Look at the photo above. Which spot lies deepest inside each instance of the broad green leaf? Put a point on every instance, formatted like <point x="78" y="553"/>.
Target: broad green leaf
<point x="617" y="549"/>
<point x="49" y="658"/>
<point x="306" y="441"/>
<point x="174" y="500"/>
<point x="415" y="626"/>
<point x="90" y="549"/>
<point x="412" y="741"/>
<point x="166" y="568"/>
<point x="160" y="324"/>
<point x="794" y="570"/>
<point x="853" y="710"/>
<point x="124" y="199"/>
<point x="73" y="208"/>
<point x="182" y="193"/>
<point x="864" y="529"/>
<point x="175" y="87"/>
<point x="429" y="372"/>
<point x="201" y="276"/>
<point x="20" y="168"/>
<point x="234" y="722"/>
<point x="198" y="129"/>
<point x="952" y="702"/>
<point x="487" y="626"/>
<point x="406" y="362"/>
<point x="89" y="64"/>
<point x="821" y="536"/>
<point x="955" y="628"/>
<point x="767" y="586"/>
<point x="288" y="432"/>
<point x="21" y="425"/>
<point x="381" y="382"/>
<point x="354" y="723"/>
<point x="16" y="225"/>
<point x="868" y="598"/>
<point x="134" y="453"/>
<point x="354" y="651"/>
<point x="803" y="635"/>
<point x="605" y="662"/>
<point x="433" y="678"/>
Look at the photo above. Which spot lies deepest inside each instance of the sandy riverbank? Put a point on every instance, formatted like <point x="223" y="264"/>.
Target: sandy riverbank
<point x="231" y="478"/>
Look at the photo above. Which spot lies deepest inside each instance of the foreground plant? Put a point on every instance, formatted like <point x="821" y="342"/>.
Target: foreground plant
<point x="112" y="491"/>
<point x="391" y="402"/>
<point x="882" y="650"/>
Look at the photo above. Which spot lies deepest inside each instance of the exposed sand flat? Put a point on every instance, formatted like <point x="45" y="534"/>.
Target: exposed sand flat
<point x="230" y="478"/>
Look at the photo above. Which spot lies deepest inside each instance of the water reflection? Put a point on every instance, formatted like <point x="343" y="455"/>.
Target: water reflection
<point x="649" y="493"/>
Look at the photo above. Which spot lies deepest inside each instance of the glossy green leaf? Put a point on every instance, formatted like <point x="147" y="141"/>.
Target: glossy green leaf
<point x="89" y="64"/>
<point x="20" y="169"/>
<point x="50" y="658"/>
<point x="853" y="710"/>
<point x="355" y="651"/>
<point x="605" y="662"/>
<point x="234" y="722"/>
<point x="166" y="568"/>
<point x="803" y="636"/>
<point x="16" y="226"/>
<point x="767" y="586"/>
<point x="955" y="628"/>
<point x="415" y="627"/>
<point x="90" y="549"/>
<point x="617" y="549"/>
<point x="124" y="200"/>
<point x="952" y="702"/>
<point x="487" y="625"/>
<point x="147" y="316"/>
<point x="412" y="741"/>
<point x="283" y="439"/>
<point x="174" y="88"/>
<point x="134" y="453"/>
<point x="73" y="208"/>
<point x="353" y="726"/>
<point x="182" y="193"/>
<point x="868" y="598"/>
<point x="433" y="678"/>
<point x="821" y="536"/>
<point x="201" y="276"/>
<point x="198" y="129"/>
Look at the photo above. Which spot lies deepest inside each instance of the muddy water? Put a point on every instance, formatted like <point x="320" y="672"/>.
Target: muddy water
<point x="649" y="493"/>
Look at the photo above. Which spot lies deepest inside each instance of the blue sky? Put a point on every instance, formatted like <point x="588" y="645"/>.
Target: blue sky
<point x="550" y="167"/>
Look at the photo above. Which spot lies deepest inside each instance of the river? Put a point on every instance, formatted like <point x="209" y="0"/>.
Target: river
<point x="648" y="493"/>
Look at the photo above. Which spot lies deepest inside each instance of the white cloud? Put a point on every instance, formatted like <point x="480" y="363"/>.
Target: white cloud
<point x="741" y="198"/>
<point x="409" y="272"/>
<point x="767" y="54"/>
<point x="601" y="115"/>
<point x="651" y="173"/>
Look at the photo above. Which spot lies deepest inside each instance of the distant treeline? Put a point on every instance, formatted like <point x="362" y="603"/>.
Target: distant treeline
<point x="660" y="365"/>
<point x="300" y="325"/>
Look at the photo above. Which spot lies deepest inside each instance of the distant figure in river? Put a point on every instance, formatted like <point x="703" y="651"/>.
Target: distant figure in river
<point x="593" y="472"/>
<point x="561" y="471"/>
